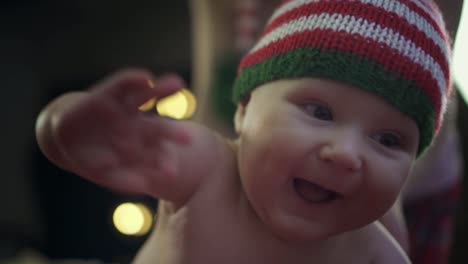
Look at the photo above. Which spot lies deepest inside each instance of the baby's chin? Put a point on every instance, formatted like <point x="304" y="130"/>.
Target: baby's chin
<point x="296" y="230"/>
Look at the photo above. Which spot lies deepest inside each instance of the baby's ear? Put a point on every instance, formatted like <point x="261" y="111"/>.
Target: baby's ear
<point x="239" y="117"/>
<point x="240" y="113"/>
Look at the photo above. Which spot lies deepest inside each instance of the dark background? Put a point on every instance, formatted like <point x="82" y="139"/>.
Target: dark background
<point x="50" y="47"/>
<point x="46" y="49"/>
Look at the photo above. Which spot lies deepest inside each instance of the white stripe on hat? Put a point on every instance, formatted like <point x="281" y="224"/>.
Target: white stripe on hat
<point x="414" y="19"/>
<point x="423" y="6"/>
<point x="390" y="6"/>
<point x="366" y="29"/>
<point x="293" y="4"/>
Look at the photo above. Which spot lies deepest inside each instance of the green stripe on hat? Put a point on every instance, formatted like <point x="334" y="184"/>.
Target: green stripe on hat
<point x="351" y="69"/>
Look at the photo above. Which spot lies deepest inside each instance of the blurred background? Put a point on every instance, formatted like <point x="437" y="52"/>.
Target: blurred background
<point x="47" y="48"/>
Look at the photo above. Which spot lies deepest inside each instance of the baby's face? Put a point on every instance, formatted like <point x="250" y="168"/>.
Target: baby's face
<point x="318" y="157"/>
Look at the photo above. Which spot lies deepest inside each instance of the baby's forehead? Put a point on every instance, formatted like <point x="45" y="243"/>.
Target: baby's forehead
<point x="333" y="93"/>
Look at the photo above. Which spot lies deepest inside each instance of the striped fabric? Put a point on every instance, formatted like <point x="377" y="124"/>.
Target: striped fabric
<point x="397" y="49"/>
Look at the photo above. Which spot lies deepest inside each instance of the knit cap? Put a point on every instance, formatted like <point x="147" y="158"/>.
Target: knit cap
<point x="396" y="49"/>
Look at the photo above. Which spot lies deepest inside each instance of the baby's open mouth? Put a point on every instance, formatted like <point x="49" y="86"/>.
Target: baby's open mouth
<point x="313" y="193"/>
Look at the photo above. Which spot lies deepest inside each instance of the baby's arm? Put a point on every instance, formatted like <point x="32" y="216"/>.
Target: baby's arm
<point x="101" y="135"/>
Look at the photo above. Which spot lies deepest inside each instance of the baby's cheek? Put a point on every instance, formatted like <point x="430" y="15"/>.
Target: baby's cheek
<point x="393" y="174"/>
<point x="389" y="190"/>
<point x="384" y="188"/>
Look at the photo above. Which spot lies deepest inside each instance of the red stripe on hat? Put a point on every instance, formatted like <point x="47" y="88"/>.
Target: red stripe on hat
<point x="435" y="23"/>
<point x="356" y="45"/>
<point x="331" y="7"/>
<point x="373" y="14"/>
<point x="424" y="3"/>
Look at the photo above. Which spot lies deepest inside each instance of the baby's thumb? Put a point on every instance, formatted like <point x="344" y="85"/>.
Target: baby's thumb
<point x="167" y="84"/>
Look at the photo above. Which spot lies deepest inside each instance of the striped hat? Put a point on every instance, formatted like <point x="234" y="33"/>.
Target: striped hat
<point x="397" y="49"/>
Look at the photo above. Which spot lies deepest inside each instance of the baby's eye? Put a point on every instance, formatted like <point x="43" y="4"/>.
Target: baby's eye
<point x="318" y="111"/>
<point x="388" y="139"/>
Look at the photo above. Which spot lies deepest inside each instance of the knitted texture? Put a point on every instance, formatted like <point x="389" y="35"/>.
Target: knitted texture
<point x="396" y="49"/>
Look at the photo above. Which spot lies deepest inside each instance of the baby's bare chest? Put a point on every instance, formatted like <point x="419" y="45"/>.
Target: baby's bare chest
<point x="218" y="232"/>
<point x="210" y="233"/>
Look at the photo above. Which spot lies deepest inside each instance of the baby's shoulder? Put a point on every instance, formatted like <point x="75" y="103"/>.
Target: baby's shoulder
<point x="381" y="245"/>
<point x="222" y="175"/>
<point x="210" y="149"/>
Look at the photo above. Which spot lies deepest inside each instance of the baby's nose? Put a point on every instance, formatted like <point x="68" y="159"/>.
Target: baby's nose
<point x="343" y="151"/>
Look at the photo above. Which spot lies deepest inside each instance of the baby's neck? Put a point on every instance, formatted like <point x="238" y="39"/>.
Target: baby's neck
<point x="268" y="243"/>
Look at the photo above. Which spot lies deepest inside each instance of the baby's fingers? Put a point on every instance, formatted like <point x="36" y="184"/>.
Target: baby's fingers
<point x="168" y="84"/>
<point x="132" y="88"/>
<point x="159" y="88"/>
<point x="161" y="128"/>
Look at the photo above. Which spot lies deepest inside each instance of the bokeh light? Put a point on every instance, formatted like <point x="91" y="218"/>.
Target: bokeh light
<point x="132" y="219"/>
<point x="180" y="105"/>
<point x="148" y="105"/>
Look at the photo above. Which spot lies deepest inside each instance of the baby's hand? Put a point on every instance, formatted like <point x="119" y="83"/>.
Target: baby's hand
<point x="101" y="135"/>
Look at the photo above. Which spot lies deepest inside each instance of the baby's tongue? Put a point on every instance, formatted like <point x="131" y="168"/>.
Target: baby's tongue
<point x="312" y="192"/>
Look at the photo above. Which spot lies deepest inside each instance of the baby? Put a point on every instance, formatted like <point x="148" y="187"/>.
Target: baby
<point x="335" y="103"/>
